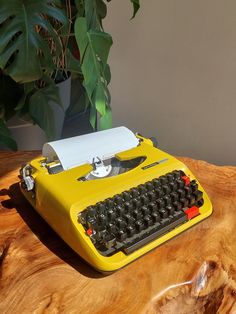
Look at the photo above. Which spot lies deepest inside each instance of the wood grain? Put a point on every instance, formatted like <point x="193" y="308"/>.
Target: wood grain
<point x="193" y="273"/>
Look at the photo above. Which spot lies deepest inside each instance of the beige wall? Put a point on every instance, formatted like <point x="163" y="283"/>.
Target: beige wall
<point x="174" y="74"/>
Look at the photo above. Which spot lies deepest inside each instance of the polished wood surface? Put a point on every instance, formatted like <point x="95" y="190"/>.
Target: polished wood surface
<point x="193" y="273"/>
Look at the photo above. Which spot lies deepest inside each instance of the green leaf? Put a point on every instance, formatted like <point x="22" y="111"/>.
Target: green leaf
<point x="93" y="117"/>
<point x="100" y="43"/>
<point x="107" y="73"/>
<point x="28" y="89"/>
<point x="101" y="9"/>
<point x="73" y="65"/>
<point x="80" y="7"/>
<point x="41" y="111"/>
<point x="94" y="48"/>
<point x="91" y="15"/>
<point x="24" y="51"/>
<point x="100" y="99"/>
<point x="10" y="93"/>
<point x="5" y="136"/>
<point x="136" y="6"/>
<point x="105" y="121"/>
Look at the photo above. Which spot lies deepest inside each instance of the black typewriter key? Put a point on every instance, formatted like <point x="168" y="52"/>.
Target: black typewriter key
<point x="180" y="183"/>
<point x="91" y="211"/>
<point x="177" y="205"/>
<point x="163" y="213"/>
<point x="112" y="228"/>
<point x="101" y="209"/>
<point x="92" y="223"/>
<point x="83" y="217"/>
<point x="137" y="214"/>
<point x="155" y="217"/>
<point x="167" y="200"/>
<point x="130" y="231"/>
<point x="194" y="185"/>
<point x="129" y="219"/>
<point x="163" y="180"/>
<point x="126" y="196"/>
<point x="181" y="193"/>
<point x="170" y="209"/>
<point x="142" y="189"/>
<point x="102" y="234"/>
<point x="198" y="195"/>
<point x="136" y="203"/>
<point x="120" y="223"/>
<point x="174" y="196"/>
<point x="178" y="173"/>
<point x="102" y="220"/>
<point x="145" y="210"/>
<point x="166" y="189"/>
<point x="120" y="210"/>
<point x="139" y="225"/>
<point x="173" y="185"/>
<point x="110" y="203"/>
<point x="159" y="192"/>
<point x="118" y="199"/>
<point x="151" y="196"/>
<point x="149" y="186"/>
<point x="160" y="203"/>
<point x="144" y="199"/>
<point x="191" y="199"/>
<point x="128" y="206"/>
<point x="184" y="201"/>
<point x="134" y="192"/>
<point x="153" y="207"/>
<point x="121" y="235"/>
<point x="187" y="189"/>
<point x="170" y="177"/>
<point x="156" y="183"/>
<point x="148" y="221"/>
<point x="111" y="214"/>
<point x="178" y="214"/>
<point x="175" y="173"/>
<point x="200" y="202"/>
<point x="181" y="173"/>
<point x="165" y="222"/>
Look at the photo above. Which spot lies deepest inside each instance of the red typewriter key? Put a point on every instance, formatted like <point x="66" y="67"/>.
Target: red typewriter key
<point x="186" y="180"/>
<point x="192" y="212"/>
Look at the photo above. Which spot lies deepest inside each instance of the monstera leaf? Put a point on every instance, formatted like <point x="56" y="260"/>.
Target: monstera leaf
<point x="25" y="27"/>
<point x="94" y="45"/>
<point x="41" y="111"/>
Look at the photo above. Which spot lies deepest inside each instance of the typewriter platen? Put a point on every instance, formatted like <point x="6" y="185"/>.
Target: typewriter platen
<point x="112" y="196"/>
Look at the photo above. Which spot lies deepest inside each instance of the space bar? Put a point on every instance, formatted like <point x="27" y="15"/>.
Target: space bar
<point x="154" y="235"/>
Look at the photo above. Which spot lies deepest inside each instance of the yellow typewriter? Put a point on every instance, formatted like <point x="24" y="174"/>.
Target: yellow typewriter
<point x="112" y="196"/>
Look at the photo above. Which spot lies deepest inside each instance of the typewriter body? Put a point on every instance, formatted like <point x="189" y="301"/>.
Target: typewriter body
<point x="112" y="196"/>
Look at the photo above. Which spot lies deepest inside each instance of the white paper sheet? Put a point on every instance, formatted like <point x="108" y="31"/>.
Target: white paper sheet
<point x="82" y="149"/>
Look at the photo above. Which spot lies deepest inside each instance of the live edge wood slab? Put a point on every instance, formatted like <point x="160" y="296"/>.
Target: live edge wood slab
<point x="193" y="273"/>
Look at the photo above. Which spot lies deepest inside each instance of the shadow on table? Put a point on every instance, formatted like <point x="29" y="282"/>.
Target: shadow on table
<point x="44" y="232"/>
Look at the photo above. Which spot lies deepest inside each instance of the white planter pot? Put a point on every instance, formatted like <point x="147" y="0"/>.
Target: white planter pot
<point x="28" y="136"/>
<point x="58" y="111"/>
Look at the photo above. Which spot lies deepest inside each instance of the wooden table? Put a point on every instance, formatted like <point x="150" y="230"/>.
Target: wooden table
<point x="193" y="273"/>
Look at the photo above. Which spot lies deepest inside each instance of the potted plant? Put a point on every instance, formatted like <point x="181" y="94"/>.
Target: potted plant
<point x="37" y="53"/>
<point x="34" y="53"/>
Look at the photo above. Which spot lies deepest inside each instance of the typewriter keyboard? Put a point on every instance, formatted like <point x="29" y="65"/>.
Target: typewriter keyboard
<point x="130" y="220"/>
